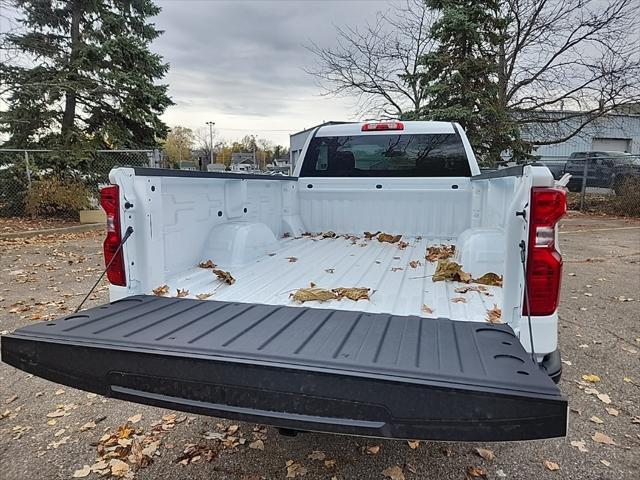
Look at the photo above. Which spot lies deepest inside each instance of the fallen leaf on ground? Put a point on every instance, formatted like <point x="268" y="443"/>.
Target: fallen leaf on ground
<point x="602" y="438"/>
<point x="490" y="278"/>
<point x="605" y="463"/>
<point x="459" y="300"/>
<point x="313" y="294"/>
<point x="494" y="315"/>
<point x="182" y="293"/>
<point x="88" y="426"/>
<point x="450" y="271"/>
<point x="118" y="468"/>
<point x="476" y="472"/>
<point x="372" y="449"/>
<point x="11" y="399"/>
<point x="83" y="472"/>
<point x="413" y="444"/>
<point x="440" y="252"/>
<point x="203" y="296"/>
<point x="386" y="237"/>
<point x="426" y="309"/>
<point x="135" y="419"/>
<point x="292" y="259"/>
<point x="414" y="263"/>
<point x="355" y="293"/>
<point x="257" y="445"/>
<point x="595" y="419"/>
<point x="394" y="473"/>
<point x="330" y="464"/>
<point x="580" y="445"/>
<point x="207" y="264"/>
<point x="224" y="276"/>
<point x="161" y="290"/>
<point x="591" y="378"/>
<point x="604" y="398"/>
<point x="612" y="411"/>
<point x="552" y="466"/>
<point x="60" y="391"/>
<point x="485" y="453"/>
<point x="295" y="469"/>
<point x="58" y="413"/>
<point x="317" y="455"/>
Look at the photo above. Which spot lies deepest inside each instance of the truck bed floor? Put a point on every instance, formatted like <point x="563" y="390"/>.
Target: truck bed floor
<point x="396" y="286"/>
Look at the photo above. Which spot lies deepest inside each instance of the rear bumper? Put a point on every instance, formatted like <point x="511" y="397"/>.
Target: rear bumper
<point x="305" y="394"/>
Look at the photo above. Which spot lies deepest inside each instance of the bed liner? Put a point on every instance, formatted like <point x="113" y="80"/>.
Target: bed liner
<point x="396" y="287"/>
<point x="303" y="368"/>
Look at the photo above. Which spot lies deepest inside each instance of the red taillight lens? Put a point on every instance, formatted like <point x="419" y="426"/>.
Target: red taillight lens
<point x="544" y="263"/>
<point x="373" y="127"/>
<point x="110" y="201"/>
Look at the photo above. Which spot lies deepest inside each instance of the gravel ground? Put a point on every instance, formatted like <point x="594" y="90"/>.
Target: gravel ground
<point x="45" y="277"/>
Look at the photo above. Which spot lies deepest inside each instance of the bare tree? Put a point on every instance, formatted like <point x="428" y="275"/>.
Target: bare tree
<point x="563" y="64"/>
<point x="379" y="65"/>
<point x="203" y="140"/>
<point x="566" y="64"/>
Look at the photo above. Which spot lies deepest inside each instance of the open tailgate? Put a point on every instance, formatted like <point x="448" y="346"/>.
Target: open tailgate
<point x="301" y="368"/>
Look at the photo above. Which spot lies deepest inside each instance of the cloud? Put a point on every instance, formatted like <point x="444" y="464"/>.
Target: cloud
<point x="241" y="63"/>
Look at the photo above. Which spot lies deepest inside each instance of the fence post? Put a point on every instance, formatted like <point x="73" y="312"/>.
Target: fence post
<point x="585" y="171"/>
<point x="26" y="163"/>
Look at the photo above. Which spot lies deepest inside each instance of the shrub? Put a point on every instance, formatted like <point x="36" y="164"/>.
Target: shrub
<point x="53" y="197"/>
<point x="626" y="202"/>
<point x="13" y="190"/>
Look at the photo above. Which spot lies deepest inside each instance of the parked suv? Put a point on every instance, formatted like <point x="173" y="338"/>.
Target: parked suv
<point x="604" y="169"/>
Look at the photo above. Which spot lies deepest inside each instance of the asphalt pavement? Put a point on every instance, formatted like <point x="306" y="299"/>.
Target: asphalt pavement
<point x="48" y="431"/>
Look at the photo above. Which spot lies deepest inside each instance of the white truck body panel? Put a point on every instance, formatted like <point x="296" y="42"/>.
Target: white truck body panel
<point x="240" y="224"/>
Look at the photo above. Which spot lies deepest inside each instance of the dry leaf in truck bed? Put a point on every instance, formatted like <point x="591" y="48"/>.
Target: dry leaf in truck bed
<point x="313" y="293"/>
<point x="182" y="293"/>
<point x="402" y="245"/>
<point x="473" y="288"/>
<point x="329" y="234"/>
<point x="459" y="300"/>
<point x="450" y="271"/>
<point x="161" y="290"/>
<point x="440" y="252"/>
<point x="369" y="235"/>
<point x="354" y="293"/>
<point x="494" y="315"/>
<point x="490" y="278"/>
<point x="427" y="309"/>
<point x="414" y="263"/>
<point x="387" y="237"/>
<point x="224" y="276"/>
<point x="203" y="296"/>
<point x="207" y="264"/>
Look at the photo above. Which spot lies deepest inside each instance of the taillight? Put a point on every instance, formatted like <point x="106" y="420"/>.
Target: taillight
<point x="544" y="263"/>
<point x="110" y="201"/>
<point x="373" y="127"/>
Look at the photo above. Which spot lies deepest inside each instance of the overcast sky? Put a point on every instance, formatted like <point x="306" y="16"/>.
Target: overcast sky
<point x="240" y="63"/>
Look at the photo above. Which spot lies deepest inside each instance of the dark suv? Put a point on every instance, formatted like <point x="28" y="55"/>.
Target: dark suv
<point x="604" y="169"/>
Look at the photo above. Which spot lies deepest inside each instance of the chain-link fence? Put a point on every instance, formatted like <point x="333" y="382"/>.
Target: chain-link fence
<point x="48" y="182"/>
<point x="601" y="182"/>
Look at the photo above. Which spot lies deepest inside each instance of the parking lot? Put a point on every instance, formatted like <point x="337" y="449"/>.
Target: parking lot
<point x="54" y="432"/>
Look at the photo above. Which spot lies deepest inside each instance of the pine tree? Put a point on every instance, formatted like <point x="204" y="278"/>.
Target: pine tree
<point x="85" y="76"/>
<point x="461" y="77"/>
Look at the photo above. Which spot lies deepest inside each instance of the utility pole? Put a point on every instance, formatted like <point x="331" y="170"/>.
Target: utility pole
<point x="211" y="124"/>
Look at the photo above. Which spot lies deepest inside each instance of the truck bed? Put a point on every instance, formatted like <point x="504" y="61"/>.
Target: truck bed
<point x="302" y="368"/>
<point x="396" y="287"/>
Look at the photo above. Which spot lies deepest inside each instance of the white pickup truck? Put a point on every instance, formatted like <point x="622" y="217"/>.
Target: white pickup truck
<point x="261" y="298"/>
